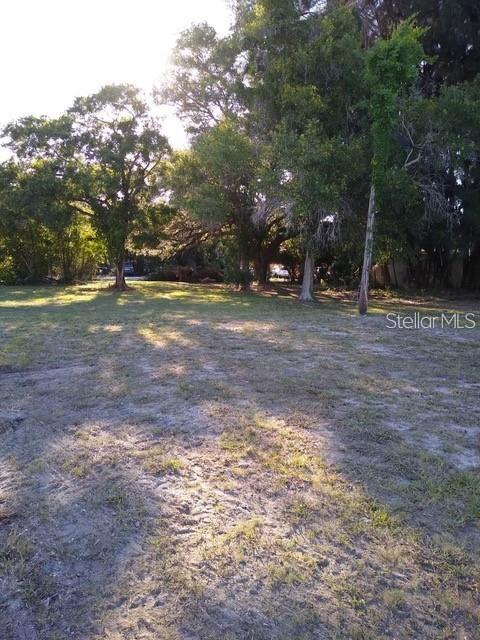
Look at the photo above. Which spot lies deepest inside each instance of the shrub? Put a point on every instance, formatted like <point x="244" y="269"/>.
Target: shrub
<point x="7" y="271"/>
<point x="168" y="275"/>
<point x="240" y="277"/>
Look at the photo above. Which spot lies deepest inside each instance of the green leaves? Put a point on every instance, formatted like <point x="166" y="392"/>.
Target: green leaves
<point x="101" y="159"/>
<point x="214" y="180"/>
<point x="393" y="63"/>
<point x="206" y="81"/>
<point x="314" y="91"/>
<point x="392" y="68"/>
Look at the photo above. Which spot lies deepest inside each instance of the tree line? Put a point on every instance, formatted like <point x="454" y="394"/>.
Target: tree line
<point x="334" y="134"/>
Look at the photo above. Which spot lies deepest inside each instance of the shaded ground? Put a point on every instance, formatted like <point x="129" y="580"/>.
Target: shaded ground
<point x="180" y="462"/>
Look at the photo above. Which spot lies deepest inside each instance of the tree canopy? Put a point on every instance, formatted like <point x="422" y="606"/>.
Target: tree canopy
<point x="102" y="160"/>
<point x="309" y="122"/>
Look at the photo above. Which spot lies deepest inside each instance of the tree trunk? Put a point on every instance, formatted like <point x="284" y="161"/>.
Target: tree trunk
<point x="244" y="271"/>
<point x="261" y="268"/>
<point x="367" y="255"/>
<point x="471" y="268"/>
<point x="394" y="274"/>
<point x="306" y="293"/>
<point x="120" y="283"/>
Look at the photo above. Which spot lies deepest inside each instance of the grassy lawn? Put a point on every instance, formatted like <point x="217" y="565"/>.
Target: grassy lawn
<point x="185" y="463"/>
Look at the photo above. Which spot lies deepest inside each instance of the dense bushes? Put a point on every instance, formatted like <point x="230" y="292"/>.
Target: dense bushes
<point x="187" y="274"/>
<point x="32" y="253"/>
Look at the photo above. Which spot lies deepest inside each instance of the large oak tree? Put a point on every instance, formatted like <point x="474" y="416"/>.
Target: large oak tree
<point x="105" y="154"/>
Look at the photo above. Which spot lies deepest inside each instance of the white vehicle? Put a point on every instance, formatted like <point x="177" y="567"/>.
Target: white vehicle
<point x="280" y="272"/>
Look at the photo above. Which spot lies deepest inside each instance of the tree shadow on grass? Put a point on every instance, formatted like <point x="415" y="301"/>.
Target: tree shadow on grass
<point x="196" y="470"/>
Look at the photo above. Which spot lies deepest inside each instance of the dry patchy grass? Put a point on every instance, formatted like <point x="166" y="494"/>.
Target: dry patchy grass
<point x="185" y="463"/>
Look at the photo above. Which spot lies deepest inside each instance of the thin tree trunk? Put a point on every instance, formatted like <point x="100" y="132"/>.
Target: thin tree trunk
<point x="306" y="293"/>
<point x="367" y="255"/>
<point x="394" y="273"/>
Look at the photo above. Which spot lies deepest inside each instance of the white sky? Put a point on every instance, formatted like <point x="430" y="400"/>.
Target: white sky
<point x="54" y="50"/>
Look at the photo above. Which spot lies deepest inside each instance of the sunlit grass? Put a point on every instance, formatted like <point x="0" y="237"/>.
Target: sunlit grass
<point x="194" y="453"/>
